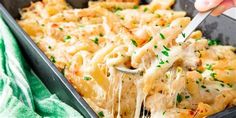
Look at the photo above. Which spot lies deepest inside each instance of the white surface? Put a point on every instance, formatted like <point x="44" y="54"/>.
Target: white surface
<point x="231" y="13"/>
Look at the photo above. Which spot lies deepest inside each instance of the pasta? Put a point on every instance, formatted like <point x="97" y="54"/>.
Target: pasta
<point x="194" y="79"/>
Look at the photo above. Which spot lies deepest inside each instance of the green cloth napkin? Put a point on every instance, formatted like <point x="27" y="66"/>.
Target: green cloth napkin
<point x="22" y="94"/>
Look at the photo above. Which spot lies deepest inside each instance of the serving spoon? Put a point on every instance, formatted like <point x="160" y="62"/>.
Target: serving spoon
<point x="196" y="21"/>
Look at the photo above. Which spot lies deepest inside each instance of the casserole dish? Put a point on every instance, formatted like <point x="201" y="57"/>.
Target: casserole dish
<point x="225" y="40"/>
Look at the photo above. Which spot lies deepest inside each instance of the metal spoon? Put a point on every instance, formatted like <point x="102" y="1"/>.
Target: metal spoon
<point x="128" y="71"/>
<point x="197" y="20"/>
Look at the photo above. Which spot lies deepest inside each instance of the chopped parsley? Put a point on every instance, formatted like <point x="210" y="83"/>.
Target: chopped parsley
<point x="186" y="97"/>
<point x="179" y="98"/>
<point x="162" y="36"/>
<point x="134" y="42"/>
<point x="158" y="15"/>
<point x="155" y="46"/>
<point x="209" y="66"/>
<point x="167" y="49"/>
<point x="213" y="75"/>
<point x="158" y="66"/>
<point x="95" y="40"/>
<point x="213" y="42"/>
<point x="183" y="34"/>
<point x="118" y="9"/>
<point x="197" y="82"/>
<point x="217" y="80"/>
<point x="230" y="85"/>
<point x="67" y="38"/>
<point x="217" y="89"/>
<point x="49" y="47"/>
<point x="165" y="53"/>
<point x="135" y="7"/>
<point x="145" y="9"/>
<point x="63" y="71"/>
<point x="157" y="56"/>
<point x="164" y="113"/>
<point x="150" y="38"/>
<point x="101" y="114"/>
<point x="87" y="78"/>
<point x="52" y="58"/>
<point x="203" y="86"/>
<point x="222" y="84"/>
<point x="161" y="62"/>
<point x="60" y="28"/>
<point x="199" y="71"/>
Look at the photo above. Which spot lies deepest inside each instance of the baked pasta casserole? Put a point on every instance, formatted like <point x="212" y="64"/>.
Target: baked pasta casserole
<point x="192" y="79"/>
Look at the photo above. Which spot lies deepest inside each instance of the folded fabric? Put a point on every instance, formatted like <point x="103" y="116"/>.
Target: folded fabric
<point x="22" y="94"/>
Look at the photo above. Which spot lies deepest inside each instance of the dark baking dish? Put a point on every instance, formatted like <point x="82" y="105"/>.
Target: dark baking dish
<point x="42" y="66"/>
<point x="222" y="28"/>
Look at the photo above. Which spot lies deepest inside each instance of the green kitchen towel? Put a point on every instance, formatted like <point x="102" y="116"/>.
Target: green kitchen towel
<point x="22" y="94"/>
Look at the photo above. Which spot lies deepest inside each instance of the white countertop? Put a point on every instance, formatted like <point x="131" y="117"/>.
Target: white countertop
<point x="231" y="13"/>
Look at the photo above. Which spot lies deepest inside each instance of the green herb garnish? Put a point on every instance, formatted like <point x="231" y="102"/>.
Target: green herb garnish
<point x="87" y="78"/>
<point x="52" y="58"/>
<point x="179" y="98"/>
<point x="67" y="38"/>
<point x="135" y="7"/>
<point x="203" y="86"/>
<point x="183" y="34"/>
<point x="164" y="113"/>
<point x="186" y="97"/>
<point x="157" y="56"/>
<point x="167" y="49"/>
<point x="209" y="66"/>
<point x="60" y="28"/>
<point x="230" y="85"/>
<point x="118" y="9"/>
<point x="199" y="71"/>
<point x="222" y="84"/>
<point x="158" y="15"/>
<point x="165" y="53"/>
<point x="162" y="36"/>
<point x="63" y="71"/>
<point x="96" y="40"/>
<point x="101" y="114"/>
<point x="213" y="75"/>
<point x="161" y="62"/>
<point x="155" y="46"/>
<point x="213" y="42"/>
<point x="145" y="9"/>
<point x="134" y="42"/>
<point x="150" y="38"/>
<point x="197" y="82"/>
